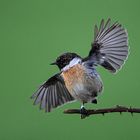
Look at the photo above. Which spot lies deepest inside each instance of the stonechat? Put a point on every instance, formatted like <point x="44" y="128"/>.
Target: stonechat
<point x="78" y="78"/>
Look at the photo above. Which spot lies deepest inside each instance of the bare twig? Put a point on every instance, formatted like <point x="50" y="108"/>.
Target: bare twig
<point x="118" y="108"/>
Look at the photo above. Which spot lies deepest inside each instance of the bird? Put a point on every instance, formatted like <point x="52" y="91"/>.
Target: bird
<point x="78" y="79"/>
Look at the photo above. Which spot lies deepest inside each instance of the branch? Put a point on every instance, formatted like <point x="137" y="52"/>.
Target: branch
<point x="89" y="112"/>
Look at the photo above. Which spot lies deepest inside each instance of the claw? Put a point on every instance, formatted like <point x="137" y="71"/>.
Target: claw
<point x="83" y="112"/>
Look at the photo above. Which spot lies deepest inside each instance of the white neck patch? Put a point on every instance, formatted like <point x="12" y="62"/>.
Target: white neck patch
<point x="72" y="63"/>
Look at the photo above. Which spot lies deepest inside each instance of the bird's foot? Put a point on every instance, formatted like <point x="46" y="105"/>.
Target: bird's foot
<point x="94" y="101"/>
<point x="83" y="112"/>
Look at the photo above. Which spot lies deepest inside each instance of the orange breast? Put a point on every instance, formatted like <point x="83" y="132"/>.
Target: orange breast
<point x="73" y="75"/>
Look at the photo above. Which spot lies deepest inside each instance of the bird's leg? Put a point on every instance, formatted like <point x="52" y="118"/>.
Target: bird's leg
<point x="83" y="111"/>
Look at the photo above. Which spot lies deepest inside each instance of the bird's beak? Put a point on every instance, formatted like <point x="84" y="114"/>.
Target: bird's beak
<point x="54" y="63"/>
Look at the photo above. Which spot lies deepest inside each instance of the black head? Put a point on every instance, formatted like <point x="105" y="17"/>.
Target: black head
<point x="65" y="59"/>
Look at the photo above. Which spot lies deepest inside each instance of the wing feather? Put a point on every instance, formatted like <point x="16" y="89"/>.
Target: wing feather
<point x="52" y="93"/>
<point x="110" y="46"/>
<point x="43" y="102"/>
<point x="39" y="97"/>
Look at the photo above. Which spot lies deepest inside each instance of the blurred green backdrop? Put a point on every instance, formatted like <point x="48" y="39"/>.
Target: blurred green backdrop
<point x="32" y="34"/>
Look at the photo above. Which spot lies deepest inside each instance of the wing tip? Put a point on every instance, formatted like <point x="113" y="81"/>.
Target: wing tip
<point x="121" y="66"/>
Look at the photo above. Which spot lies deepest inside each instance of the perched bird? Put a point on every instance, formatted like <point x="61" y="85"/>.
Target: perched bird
<point x="78" y="78"/>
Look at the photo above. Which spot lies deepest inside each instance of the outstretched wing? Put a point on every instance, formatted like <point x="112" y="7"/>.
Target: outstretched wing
<point x="110" y="46"/>
<point x="52" y="94"/>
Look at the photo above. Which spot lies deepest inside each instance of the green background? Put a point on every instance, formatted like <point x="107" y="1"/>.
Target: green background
<point x="32" y="34"/>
